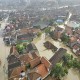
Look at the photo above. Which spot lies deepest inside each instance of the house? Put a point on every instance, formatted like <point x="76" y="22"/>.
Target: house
<point x="73" y="24"/>
<point x="50" y="78"/>
<point x="35" y="62"/>
<point x="69" y="31"/>
<point x="13" y="51"/>
<point x="34" y="76"/>
<point x="57" y="56"/>
<point x="73" y="39"/>
<point x="42" y="69"/>
<point x="17" y="73"/>
<point x="57" y="33"/>
<point x="31" y="47"/>
<point x="76" y="49"/>
<point x="78" y="52"/>
<point x="49" y="45"/>
<point x="41" y="23"/>
<point x="29" y="30"/>
<point x="78" y="31"/>
<point x="13" y="62"/>
<point x="26" y="58"/>
<point x="25" y="37"/>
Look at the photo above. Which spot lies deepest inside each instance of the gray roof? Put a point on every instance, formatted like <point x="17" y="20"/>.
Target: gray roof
<point x="57" y="56"/>
<point x="13" y="62"/>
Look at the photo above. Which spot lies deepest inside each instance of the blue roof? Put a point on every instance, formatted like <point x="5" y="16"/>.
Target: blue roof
<point x="59" y="21"/>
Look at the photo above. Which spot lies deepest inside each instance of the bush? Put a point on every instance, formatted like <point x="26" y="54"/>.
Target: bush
<point x="28" y="65"/>
<point x="20" y="48"/>
<point x="39" y="34"/>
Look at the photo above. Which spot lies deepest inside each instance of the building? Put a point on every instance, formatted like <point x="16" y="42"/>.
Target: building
<point x="42" y="69"/>
<point x="49" y="45"/>
<point x="57" y="56"/>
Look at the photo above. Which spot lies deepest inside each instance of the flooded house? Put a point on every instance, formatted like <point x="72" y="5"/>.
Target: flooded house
<point x="57" y="56"/>
<point x="49" y="45"/>
<point x="42" y="69"/>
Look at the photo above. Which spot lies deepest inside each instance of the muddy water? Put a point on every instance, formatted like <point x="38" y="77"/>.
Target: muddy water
<point x="73" y="74"/>
<point x="4" y="51"/>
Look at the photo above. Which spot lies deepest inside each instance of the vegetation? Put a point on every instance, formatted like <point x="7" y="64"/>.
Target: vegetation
<point x="51" y="34"/>
<point x="68" y="60"/>
<point x="76" y="64"/>
<point x="38" y="26"/>
<point x="65" y="38"/>
<point x="39" y="34"/>
<point x="25" y="45"/>
<point x="47" y="30"/>
<point x="71" y="62"/>
<point x="59" y="71"/>
<point x="28" y="65"/>
<point x="51" y="22"/>
<point x="20" y="48"/>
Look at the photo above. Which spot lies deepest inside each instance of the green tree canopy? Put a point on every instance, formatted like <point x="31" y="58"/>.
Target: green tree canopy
<point x="67" y="60"/>
<point x="20" y="48"/>
<point x="59" y="71"/>
<point x="76" y="63"/>
<point x="65" y="39"/>
<point x="47" y="30"/>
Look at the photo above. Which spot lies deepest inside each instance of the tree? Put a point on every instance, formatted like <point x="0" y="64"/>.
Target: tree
<point x="39" y="34"/>
<point x="65" y="39"/>
<point x="51" y="22"/>
<point x="25" y="45"/>
<point x="59" y="71"/>
<point x="67" y="60"/>
<point x="38" y="26"/>
<point x="76" y="63"/>
<point x="47" y="30"/>
<point x="20" y="48"/>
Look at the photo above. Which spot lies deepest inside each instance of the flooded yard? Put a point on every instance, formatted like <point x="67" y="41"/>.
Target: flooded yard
<point x="73" y="75"/>
<point x="42" y="50"/>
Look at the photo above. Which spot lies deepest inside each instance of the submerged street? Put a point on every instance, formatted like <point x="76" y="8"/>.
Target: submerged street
<point x="4" y="51"/>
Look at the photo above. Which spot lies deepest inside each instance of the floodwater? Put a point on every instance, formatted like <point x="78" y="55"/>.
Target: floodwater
<point x="4" y="51"/>
<point x="42" y="50"/>
<point x="73" y="74"/>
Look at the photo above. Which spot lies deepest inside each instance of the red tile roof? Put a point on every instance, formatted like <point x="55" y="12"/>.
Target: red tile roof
<point x="35" y="62"/>
<point x="25" y="59"/>
<point x="42" y="70"/>
<point x="45" y="62"/>
<point x="14" y="51"/>
<point x="15" y="73"/>
<point x="73" y="39"/>
<point x="33" y="75"/>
